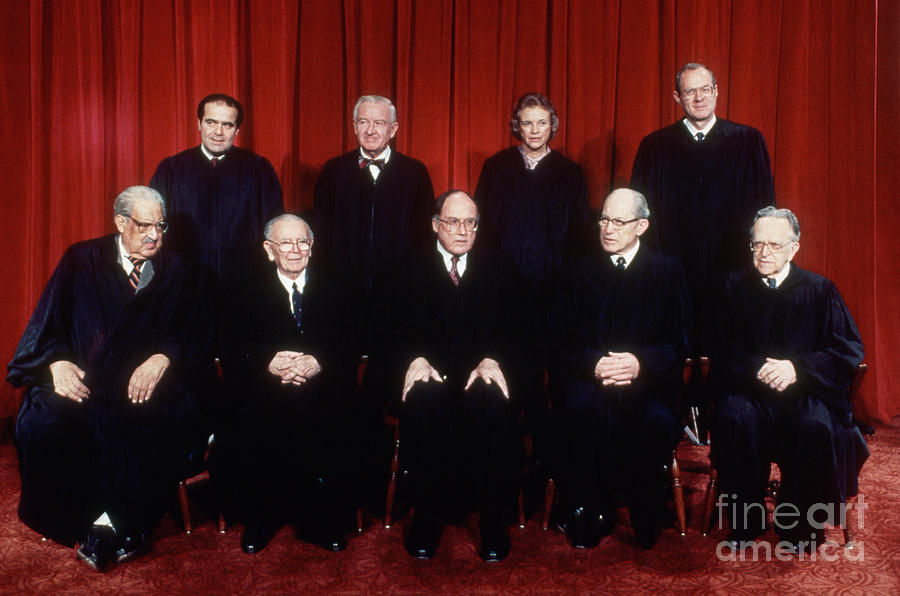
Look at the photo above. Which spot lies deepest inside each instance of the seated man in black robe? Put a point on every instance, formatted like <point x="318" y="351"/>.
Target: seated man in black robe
<point x="290" y="370"/>
<point x="219" y="195"/>
<point x="785" y="355"/>
<point x="114" y="357"/>
<point x="451" y="336"/>
<point x="622" y="321"/>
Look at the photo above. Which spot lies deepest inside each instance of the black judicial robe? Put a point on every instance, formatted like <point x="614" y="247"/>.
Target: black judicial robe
<point x="645" y="310"/>
<point x="625" y="432"/>
<point x="537" y="218"/>
<point x="455" y="442"/>
<point x="703" y="196"/>
<point x="362" y="224"/>
<point x="106" y="454"/>
<point x="217" y="214"/>
<point x="284" y="436"/>
<point x="806" y="321"/>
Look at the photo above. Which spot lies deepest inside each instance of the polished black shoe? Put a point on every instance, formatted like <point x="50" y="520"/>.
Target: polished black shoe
<point x="132" y="547"/>
<point x="424" y="534"/>
<point x="255" y="538"/>
<point x="98" y="548"/>
<point x="335" y="544"/>
<point x="586" y="530"/>
<point x="495" y="546"/>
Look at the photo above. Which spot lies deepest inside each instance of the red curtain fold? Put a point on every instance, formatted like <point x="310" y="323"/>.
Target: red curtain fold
<point x="95" y="92"/>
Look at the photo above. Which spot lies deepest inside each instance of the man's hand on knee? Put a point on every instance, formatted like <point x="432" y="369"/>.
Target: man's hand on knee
<point x="419" y="370"/>
<point x="489" y="371"/>
<point x="67" y="379"/>
<point x="145" y="377"/>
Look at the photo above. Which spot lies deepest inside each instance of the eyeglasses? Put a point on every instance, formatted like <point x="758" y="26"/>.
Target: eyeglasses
<point x="774" y="248"/>
<point x="286" y="246"/>
<point x="452" y="224"/>
<point x="704" y="91"/>
<point x="143" y="226"/>
<point x="616" y="223"/>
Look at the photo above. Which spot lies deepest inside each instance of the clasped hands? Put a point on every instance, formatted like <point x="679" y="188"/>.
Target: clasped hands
<point x="618" y="369"/>
<point x="294" y="367"/>
<point x="68" y="379"/>
<point x="420" y="370"/>
<point x="777" y="374"/>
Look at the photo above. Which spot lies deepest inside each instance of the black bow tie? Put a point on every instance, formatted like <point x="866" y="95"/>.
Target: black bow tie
<point x="378" y="163"/>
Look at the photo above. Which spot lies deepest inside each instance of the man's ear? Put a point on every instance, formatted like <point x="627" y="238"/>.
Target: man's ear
<point x="642" y="226"/>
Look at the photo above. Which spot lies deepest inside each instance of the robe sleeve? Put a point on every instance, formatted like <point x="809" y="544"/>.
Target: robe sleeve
<point x="47" y="336"/>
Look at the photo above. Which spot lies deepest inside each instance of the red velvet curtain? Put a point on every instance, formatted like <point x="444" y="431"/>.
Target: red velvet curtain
<point x="95" y="92"/>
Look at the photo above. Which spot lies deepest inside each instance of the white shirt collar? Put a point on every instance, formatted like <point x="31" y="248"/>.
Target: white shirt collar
<point x="209" y="155"/>
<point x="532" y="162"/>
<point x="124" y="261"/>
<point x="780" y="276"/>
<point x="460" y="264"/>
<point x="628" y="255"/>
<point x="694" y="130"/>
<point x="385" y="155"/>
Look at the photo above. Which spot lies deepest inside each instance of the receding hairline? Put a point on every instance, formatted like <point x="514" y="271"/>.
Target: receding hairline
<point x="285" y="218"/>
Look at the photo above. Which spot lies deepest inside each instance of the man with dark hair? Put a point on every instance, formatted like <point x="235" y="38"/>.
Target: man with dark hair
<point x="373" y="203"/>
<point x="219" y="195"/>
<point x="450" y="328"/>
<point x="621" y="321"/>
<point x="784" y="357"/>
<point x="290" y="370"/>
<point x="704" y="178"/>
<point x="114" y="358"/>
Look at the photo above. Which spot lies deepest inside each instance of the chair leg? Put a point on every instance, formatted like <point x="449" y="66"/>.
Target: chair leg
<point x="678" y="491"/>
<point x="221" y="523"/>
<point x="185" y="507"/>
<point x="549" y="495"/>
<point x="360" y="521"/>
<point x="521" y="509"/>
<point x="712" y="489"/>
<point x="392" y="484"/>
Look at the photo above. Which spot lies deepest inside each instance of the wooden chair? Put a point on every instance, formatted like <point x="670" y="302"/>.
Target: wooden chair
<point x="674" y="469"/>
<point x="712" y="488"/>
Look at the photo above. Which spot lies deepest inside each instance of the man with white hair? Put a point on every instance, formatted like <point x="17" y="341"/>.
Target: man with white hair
<point x="114" y="358"/>
<point x="785" y="353"/>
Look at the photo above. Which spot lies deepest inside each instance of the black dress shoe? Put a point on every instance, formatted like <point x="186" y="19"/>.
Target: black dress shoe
<point x="98" y="548"/>
<point x="335" y="544"/>
<point x="424" y="534"/>
<point x="255" y="538"/>
<point x="586" y="529"/>
<point x="131" y="547"/>
<point x="494" y="547"/>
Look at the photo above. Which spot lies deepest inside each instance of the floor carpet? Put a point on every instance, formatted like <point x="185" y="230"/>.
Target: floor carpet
<point x="206" y="562"/>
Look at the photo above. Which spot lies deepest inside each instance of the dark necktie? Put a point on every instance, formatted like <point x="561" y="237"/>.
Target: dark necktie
<point x="378" y="163"/>
<point x="297" y="301"/>
<point x="214" y="161"/>
<point x="454" y="273"/>
<point x="135" y="278"/>
<point x="699" y="136"/>
<point x="770" y="281"/>
<point x="620" y="263"/>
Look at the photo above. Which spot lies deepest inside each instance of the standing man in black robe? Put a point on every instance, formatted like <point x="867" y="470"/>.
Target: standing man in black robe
<point x="219" y="196"/>
<point x="113" y="358"/>
<point x="785" y="355"/>
<point x="452" y="326"/>
<point x="373" y="203"/>
<point x="622" y="321"/>
<point x="291" y="371"/>
<point x="704" y="178"/>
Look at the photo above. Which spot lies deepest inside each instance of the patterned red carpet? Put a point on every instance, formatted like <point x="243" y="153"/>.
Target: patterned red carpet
<point x="541" y="562"/>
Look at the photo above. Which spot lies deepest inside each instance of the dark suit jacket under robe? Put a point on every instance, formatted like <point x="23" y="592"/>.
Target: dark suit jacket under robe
<point x="806" y="321"/>
<point x="106" y="454"/>
<point x="644" y="310"/>
<point x="217" y="214"/>
<point x="703" y="196"/>
<point x="284" y="438"/>
<point x="421" y="313"/>
<point x="537" y="218"/>
<point x="363" y="224"/>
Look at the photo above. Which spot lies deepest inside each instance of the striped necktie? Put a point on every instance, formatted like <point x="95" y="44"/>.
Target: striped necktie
<point x="454" y="273"/>
<point x="135" y="277"/>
